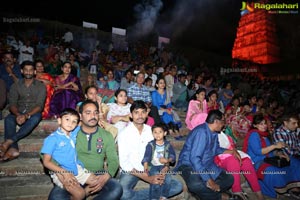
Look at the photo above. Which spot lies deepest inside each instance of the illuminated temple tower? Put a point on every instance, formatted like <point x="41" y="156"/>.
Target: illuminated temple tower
<point x="256" y="39"/>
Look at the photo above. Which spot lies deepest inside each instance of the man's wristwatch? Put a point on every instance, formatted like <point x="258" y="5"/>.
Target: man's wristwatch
<point x="27" y="116"/>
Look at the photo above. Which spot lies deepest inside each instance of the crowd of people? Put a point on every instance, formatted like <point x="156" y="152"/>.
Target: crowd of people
<point x="125" y="94"/>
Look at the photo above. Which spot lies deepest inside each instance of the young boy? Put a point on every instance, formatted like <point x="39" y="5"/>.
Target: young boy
<point x="158" y="156"/>
<point x="148" y="84"/>
<point x="60" y="147"/>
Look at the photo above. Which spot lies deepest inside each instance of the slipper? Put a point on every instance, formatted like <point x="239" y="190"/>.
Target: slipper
<point x="11" y="154"/>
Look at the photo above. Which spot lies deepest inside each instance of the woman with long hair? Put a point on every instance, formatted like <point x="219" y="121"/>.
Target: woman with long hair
<point x="197" y="111"/>
<point x="68" y="91"/>
<point x="212" y="103"/>
<point x="162" y="101"/>
<point x="48" y="80"/>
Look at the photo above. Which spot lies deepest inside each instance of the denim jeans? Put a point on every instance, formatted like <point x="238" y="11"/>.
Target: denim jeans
<point x="157" y="191"/>
<point x="129" y="181"/>
<point x="10" y="125"/>
<point x="198" y="187"/>
<point x="112" y="190"/>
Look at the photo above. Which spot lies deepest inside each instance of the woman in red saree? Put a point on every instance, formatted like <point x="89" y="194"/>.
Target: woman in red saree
<point x="68" y="91"/>
<point x="48" y="80"/>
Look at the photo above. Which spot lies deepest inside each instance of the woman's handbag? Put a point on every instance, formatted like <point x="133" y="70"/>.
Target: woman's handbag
<point x="277" y="161"/>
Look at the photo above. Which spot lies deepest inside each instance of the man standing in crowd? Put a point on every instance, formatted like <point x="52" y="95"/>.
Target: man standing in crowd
<point x="26" y="102"/>
<point x="139" y="92"/>
<point x="26" y="52"/>
<point x="196" y="160"/>
<point x="93" y="146"/>
<point x="132" y="142"/>
<point x="287" y="133"/>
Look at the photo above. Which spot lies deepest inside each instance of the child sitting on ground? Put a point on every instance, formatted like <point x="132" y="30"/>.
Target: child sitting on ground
<point x="158" y="156"/>
<point x="60" y="156"/>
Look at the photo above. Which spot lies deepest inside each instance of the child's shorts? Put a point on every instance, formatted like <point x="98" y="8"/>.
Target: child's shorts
<point x="83" y="175"/>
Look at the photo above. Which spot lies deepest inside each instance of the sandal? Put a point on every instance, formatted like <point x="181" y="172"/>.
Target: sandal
<point x="239" y="196"/>
<point x="10" y="154"/>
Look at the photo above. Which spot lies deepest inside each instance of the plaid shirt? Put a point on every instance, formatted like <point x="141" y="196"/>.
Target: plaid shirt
<point x="290" y="138"/>
<point x="139" y="93"/>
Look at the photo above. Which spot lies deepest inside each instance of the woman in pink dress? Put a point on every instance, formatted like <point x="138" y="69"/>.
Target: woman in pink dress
<point x="237" y="167"/>
<point x="197" y="111"/>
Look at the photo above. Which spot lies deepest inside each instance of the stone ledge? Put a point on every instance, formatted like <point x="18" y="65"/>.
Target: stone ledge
<point x="44" y="127"/>
<point x="22" y="167"/>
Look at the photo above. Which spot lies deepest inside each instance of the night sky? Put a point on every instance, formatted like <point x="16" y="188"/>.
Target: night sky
<point x="208" y="25"/>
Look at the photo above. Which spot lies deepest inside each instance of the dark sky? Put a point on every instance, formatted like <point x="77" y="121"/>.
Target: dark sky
<point x="209" y="25"/>
<point x="117" y="13"/>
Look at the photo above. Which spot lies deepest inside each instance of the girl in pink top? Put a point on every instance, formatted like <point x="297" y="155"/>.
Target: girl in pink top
<point x="197" y="111"/>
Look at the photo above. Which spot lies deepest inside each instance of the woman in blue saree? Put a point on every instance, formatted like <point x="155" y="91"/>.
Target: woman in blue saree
<point x="162" y="101"/>
<point x="68" y="91"/>
<point x="272" y="179"/>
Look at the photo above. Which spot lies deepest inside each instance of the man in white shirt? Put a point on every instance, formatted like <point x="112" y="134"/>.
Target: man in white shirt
<point x="132" y="142"/>
<point x="26" y="52"/>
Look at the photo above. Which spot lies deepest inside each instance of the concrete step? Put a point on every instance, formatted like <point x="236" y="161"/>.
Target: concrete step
<point x="27" y="164"/>
<point x="27" y="187"/>
<point x="29" y="144"/>
<point x="38" y="187"/>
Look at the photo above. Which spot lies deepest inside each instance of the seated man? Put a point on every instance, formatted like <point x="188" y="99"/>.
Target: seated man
<point x="93" y="146"/>
<point x="287" y="133"/>
<point x="196" y="160"/>
<point x="180" y="93"/>
<point x="26" y="102"/>
<point x="139" y="92"/>
<point x="132" y="142"/>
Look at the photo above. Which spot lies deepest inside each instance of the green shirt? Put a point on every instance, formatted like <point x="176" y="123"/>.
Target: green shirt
<point x="93" y="149"/>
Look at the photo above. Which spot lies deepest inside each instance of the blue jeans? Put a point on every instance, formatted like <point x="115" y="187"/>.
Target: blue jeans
<point x="129" y="181"/>
<point x="112" y="190"/>
<point x="198" y="187"/>
<point x="157" y="191"/>
<point x="10" y="125"/>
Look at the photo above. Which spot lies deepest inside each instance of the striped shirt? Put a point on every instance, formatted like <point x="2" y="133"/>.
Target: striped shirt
<point x="139" y="93"/>
<point x="290" y="138"/>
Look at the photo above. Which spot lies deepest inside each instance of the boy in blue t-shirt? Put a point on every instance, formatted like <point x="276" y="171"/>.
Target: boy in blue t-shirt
<point x="159" y="154"/>
<point x="60" y="147"/>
